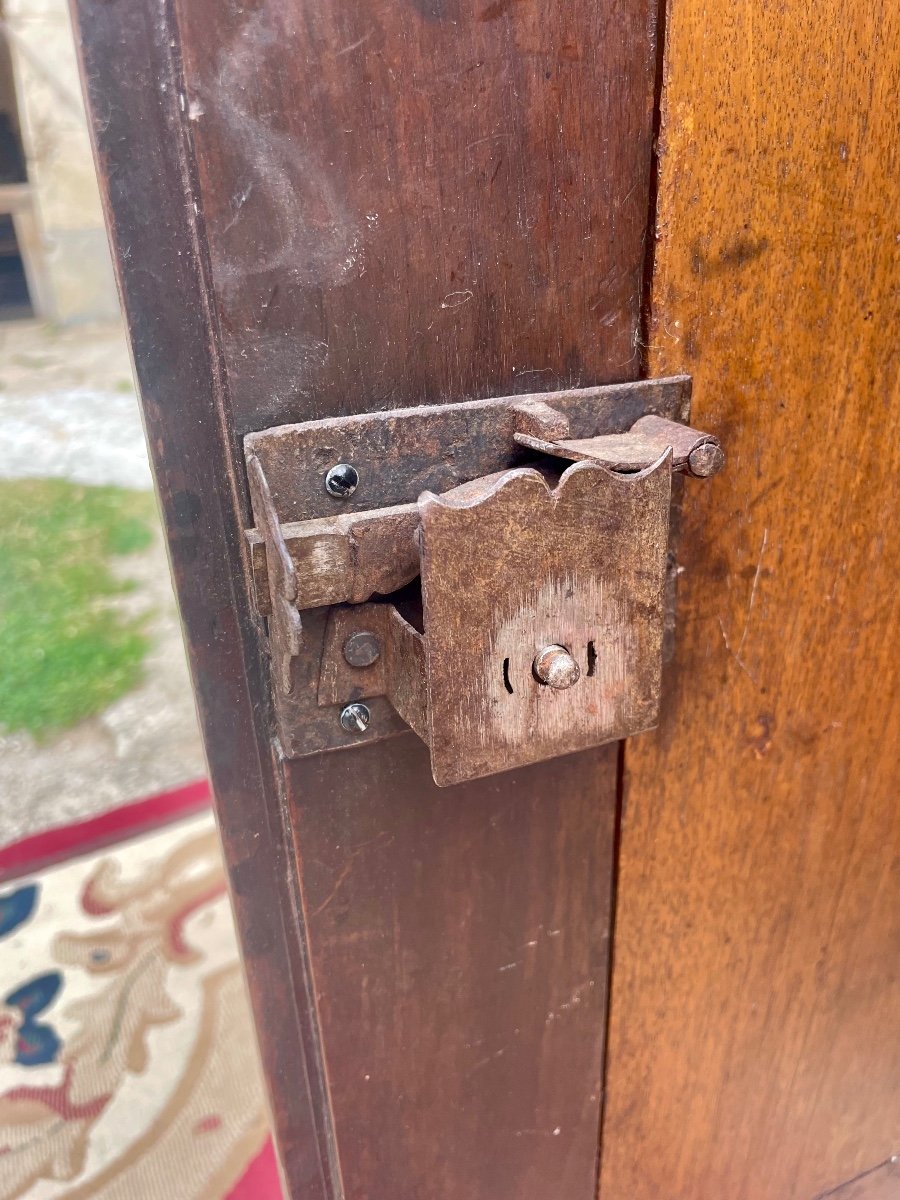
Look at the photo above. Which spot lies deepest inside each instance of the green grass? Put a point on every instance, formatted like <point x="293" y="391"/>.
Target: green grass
<point x="65" y="652"/>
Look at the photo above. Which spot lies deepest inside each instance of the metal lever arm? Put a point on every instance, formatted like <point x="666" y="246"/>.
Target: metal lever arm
<point x="695" y="453"/>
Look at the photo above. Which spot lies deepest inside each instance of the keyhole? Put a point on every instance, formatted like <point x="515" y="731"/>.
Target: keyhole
<point x="591" y="658"/>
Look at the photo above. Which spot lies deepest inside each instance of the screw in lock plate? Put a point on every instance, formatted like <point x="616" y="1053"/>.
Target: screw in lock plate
<point x="362" y="649"/>
<point x="341" y="481"/>
<point x="355" y="718"/>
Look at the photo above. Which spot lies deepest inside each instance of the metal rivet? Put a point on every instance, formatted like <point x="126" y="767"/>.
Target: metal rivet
<point x="355" y="718"/>
<point x="341" y="481"/>
<point x="556" y="667"/>
<point x="362" y="649"/>
<point x="706" y="460"/>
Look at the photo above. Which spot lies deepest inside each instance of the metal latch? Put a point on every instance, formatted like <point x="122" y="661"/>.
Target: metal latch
<point x="490" y="574"/>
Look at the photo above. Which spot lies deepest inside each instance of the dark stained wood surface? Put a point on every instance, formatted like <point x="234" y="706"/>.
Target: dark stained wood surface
<point x="755" y="1042"/>
<point x="412" y="201"/>
<point x="131" y="84"/>
<point x="459" y="947"/>
<point x="319" y="209"/>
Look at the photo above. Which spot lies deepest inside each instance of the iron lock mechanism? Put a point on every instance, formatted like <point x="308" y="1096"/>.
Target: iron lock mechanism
<point x="492" y="574"/>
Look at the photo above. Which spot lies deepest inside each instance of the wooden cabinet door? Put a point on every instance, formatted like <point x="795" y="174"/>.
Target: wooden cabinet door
<point x="755" y="1028"/>
<point x="320" y="209"/>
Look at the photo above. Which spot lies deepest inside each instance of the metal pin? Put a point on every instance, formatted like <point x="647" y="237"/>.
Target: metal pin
<point x="556" y="667"/>
<point x="706" y="460"/>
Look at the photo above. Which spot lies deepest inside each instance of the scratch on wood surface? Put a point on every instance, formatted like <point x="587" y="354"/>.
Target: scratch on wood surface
<point x="857" y="1189"/>
<point x="740" y="662"/>
<point x="762" y="551"/>
<point x="355" y="45"/>
<point x="348" y="868"/>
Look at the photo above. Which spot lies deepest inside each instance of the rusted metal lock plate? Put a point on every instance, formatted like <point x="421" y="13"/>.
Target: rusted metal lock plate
<point x="533" y="625"/>
<point x="581" y="566"/>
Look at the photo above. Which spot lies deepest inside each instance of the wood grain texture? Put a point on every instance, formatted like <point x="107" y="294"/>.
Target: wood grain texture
<point x="460" y="998"/>
<point x="131" y="81"/>
<point x="525" y="565"/>
<point x="404" y="204"/>
<point x="319" y="209"/>
<point x="755" y="1045"/>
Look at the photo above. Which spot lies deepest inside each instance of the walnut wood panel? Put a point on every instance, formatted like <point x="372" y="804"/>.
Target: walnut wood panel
<point x="321" y="208"/>
<point x="412" y="201"/>
<point x="754" y="1046"/>
<point x="460" y="997"/>
<point x="132" y="83"/>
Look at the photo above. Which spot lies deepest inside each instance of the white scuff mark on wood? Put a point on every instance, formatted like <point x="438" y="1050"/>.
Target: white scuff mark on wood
<point x="354" y="45"/>
<point x="519" y="371"/>
<point x="484" y="1061"/>
<point x="507" y="967"/>
<point x="457" y="299"/>
<point x="310" y="236"/>
<point x="238" y="203"/>
<point x="753" y="588"/>
<point x="573" y="1001"/>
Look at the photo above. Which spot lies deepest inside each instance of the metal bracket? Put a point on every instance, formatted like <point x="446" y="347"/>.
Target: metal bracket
<point x="516" y="561"/>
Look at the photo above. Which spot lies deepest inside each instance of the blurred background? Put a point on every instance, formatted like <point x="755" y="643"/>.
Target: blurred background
<point x="127" y="1057"/>
<point x="95" y="705"/>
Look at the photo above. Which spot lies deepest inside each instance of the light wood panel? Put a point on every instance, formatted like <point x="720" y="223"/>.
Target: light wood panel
<point x="754" y="1044"/>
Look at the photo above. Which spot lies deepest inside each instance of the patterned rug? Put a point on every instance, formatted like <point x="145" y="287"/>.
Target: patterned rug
<point x="128" y="1066"/>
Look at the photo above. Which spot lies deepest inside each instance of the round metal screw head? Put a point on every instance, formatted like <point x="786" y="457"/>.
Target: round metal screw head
<point x="341" y="481"/>
<point x="355" y="718"/>
<point x="706" y="460"/>
<point x="362" y="649"/>
<point x="556" y="667"/>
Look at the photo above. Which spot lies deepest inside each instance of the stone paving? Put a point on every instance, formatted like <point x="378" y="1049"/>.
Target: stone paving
<point x="68" y="409"/>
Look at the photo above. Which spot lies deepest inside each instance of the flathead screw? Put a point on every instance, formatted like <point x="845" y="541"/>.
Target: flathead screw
<point x="355" y="718"/>
<point x="341" y="481"/>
